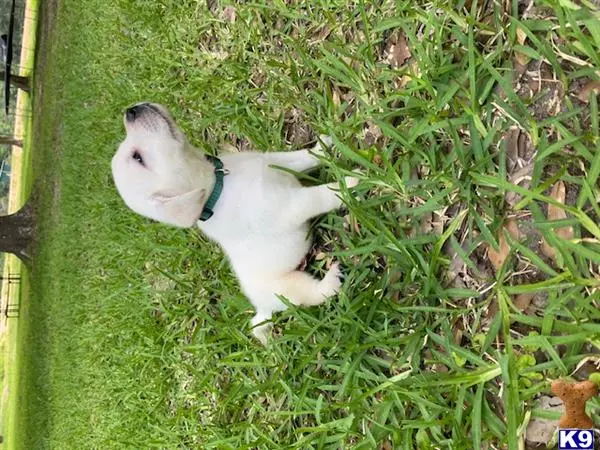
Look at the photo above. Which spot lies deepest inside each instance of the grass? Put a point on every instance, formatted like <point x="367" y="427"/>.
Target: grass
<point x="140" y="336"/>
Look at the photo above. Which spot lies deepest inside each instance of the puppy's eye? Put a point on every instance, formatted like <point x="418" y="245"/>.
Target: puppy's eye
<point x="136" y="156"/>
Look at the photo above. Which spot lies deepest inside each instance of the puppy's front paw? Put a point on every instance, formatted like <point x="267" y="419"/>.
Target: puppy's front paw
<point x="332" y="282"/>
<point x="261" y="329"/>
<point x="325" y="142"/>
<point x="261" y="332"/>
<point x="351" y="181"/>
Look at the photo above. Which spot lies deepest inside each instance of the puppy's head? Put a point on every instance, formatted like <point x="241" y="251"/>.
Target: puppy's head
<point x="157" y="172"/>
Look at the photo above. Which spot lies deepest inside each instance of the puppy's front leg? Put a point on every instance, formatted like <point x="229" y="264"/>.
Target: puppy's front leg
<point x="261" y="332"/>
<point x="313" y="201"/>
<point x="300" y="160"/>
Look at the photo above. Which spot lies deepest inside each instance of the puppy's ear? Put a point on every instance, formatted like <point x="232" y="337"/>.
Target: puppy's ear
<point x="181" y="210"/>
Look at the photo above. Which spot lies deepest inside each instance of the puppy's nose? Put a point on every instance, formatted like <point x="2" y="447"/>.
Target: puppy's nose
<point x="132" y="113"/>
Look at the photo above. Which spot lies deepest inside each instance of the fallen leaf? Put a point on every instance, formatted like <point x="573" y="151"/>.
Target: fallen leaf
<point x="394" y="278"/>
<point x="521" y="36"/>
<point x="351" y="223"/>
<point x="592" y="86"/>
<point x="211" y="5"/>
<point x="493" y="309"/>
<point x="519" y="161"/>
<point x="433" y="222"/>
<point x="457" y="268"/>
<point x="297" y="129"/>
<point x="321" y="34"/>
<point x="372" y="134"/>
<point x="586" y="367"/>
<point x="279" y="24"/>
<point x="335" y="97"/>
<point x="387" y="445"/>
<point x="511" y="147"/>
<point x="497" y="257"/>
<point x="397" y="51"/>
<point x="229" y="14"/>
<point x="558" y="193"/>
<point x="513" y="229"/>
<point x="412" y="72"/>
<point x="522" y="301"/>
<point x="457" y="333"/>
<point x="520" y="58"/>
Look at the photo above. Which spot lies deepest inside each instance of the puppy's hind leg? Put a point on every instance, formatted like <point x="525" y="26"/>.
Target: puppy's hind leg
<point x="302" y="289"/>
<point x="298" y="287"/>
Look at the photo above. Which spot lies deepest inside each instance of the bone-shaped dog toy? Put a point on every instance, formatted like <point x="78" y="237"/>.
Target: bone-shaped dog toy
<point x="575" y="395"/>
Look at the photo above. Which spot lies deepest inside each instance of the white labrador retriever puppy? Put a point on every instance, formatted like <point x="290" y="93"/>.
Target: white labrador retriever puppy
<point x="258" y="214"/>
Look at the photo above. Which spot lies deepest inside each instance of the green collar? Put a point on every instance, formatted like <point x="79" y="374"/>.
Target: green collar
<point x="207" y="212"/>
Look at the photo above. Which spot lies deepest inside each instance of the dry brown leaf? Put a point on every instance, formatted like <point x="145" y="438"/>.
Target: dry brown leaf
<point x="297" y="129"/>
<point x="511" y="147"/>
<point x="521" y="58"/>
<point x="521" y="36"/>
<point x="513" y="229"/>
<point x="351" y="223"/>
<point x="321" y="34"/>
<point x="335" y="97"/>
<point x="519" y="161"/>
<point x="493" y="309"/>
<point x="433" y="222"/>
<point x="229" y="14"/>
<point x="211" y="5"/>
<point x="397" y="51"/>
<point x="387" y="445"/>
<point x="586" y="367"/>
<point x="592" y="86"/>
<point x="497" y="257"/>
<point x="456" y="269"/>
<point x="522" y="301"/>
<point x="372" y="134"/>
<point x="558" y="193"/>
<point x="457" y="333"/>
<point x="320" y="256"/>
<point x="394" y="278"/>
<point x="412" y="72"/>
<point x="435" y="367"/>
<point x="547" y="250"/>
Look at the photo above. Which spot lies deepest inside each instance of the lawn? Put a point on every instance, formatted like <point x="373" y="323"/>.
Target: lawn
<point x="471" y="248"/>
